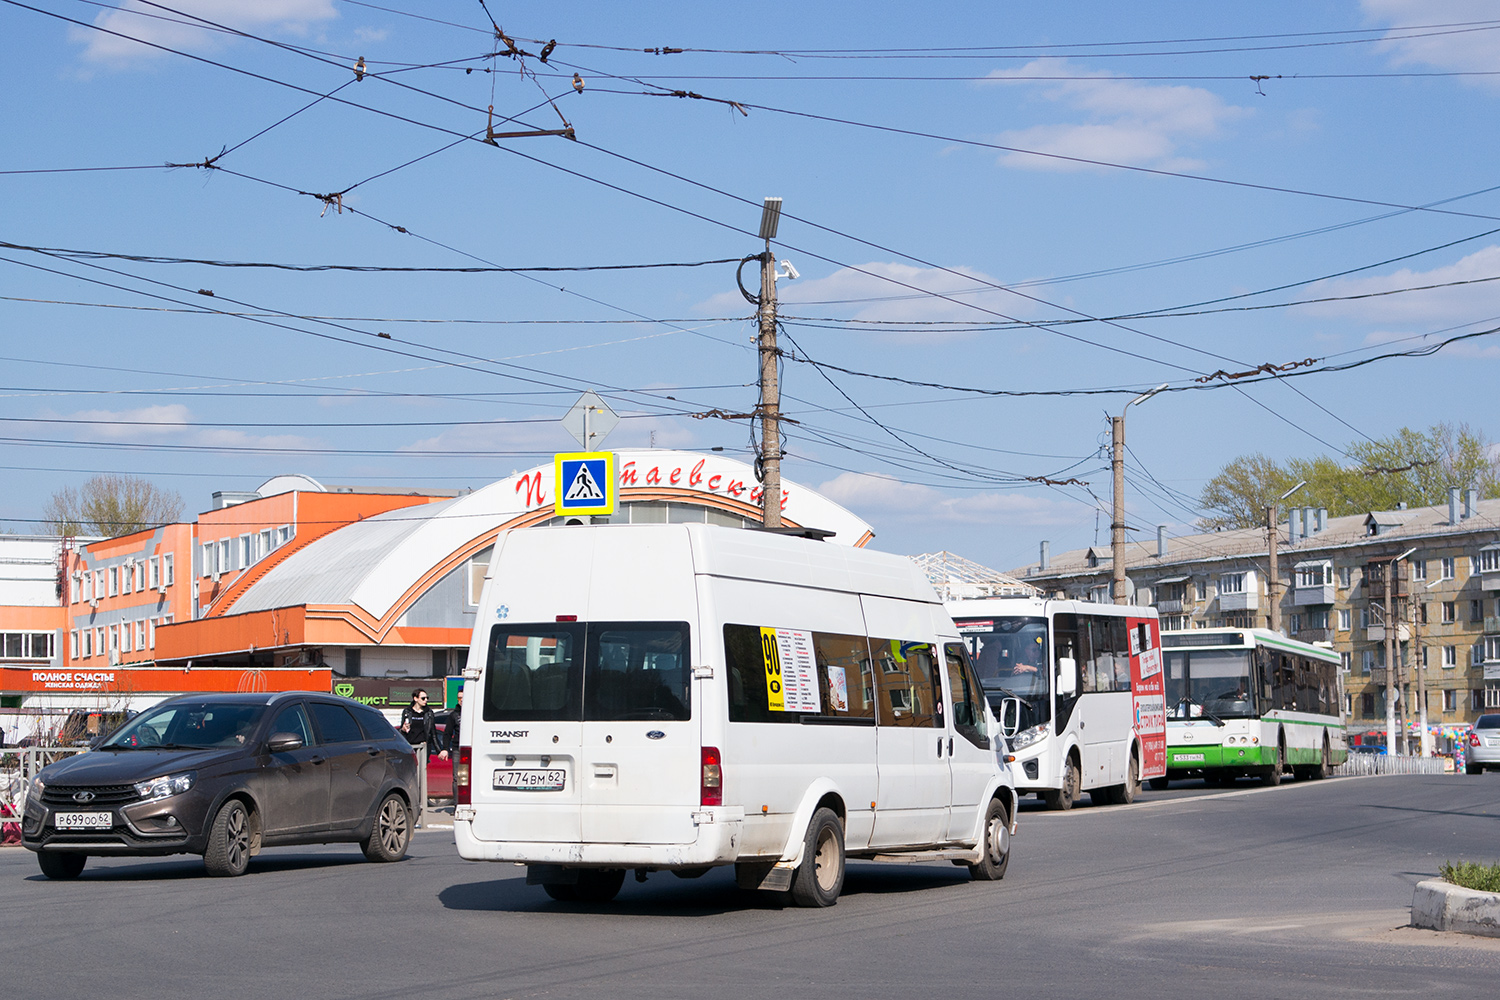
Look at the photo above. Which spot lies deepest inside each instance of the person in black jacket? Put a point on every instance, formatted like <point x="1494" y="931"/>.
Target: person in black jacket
<point x="455" y="723"/>
<point x="417" y="722"/>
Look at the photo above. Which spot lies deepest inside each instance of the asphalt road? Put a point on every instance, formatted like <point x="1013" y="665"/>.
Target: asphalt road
<point x="1297" y="891"/>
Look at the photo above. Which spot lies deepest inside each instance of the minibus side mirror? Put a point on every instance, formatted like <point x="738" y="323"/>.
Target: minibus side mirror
<point x="1010" y="716"/>
<point x="1067" y="677"/>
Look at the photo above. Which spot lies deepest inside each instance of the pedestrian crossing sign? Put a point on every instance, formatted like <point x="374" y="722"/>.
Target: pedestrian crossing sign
<point x="585" y="482"/>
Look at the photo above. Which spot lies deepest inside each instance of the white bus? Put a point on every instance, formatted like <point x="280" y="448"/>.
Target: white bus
<point x="1250" y="703"/>
<point x="676" y="697"/>
<point x="1088" y="677"/>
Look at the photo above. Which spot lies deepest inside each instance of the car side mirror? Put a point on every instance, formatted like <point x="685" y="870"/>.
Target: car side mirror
<point x="1010" y="716"/>
<point x="284" y="742"/>
<point x="1067" y="677"/>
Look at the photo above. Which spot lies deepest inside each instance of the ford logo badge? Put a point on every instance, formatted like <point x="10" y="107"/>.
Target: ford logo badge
<point x="655" y="734"/>
<point x="83" y="796"/>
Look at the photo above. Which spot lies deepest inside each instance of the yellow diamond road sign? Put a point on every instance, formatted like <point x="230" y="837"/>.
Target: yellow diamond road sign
<point x="584" y="482"/>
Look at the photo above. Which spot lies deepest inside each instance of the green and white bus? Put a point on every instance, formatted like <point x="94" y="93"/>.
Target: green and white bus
<point x="1250" y="703"/>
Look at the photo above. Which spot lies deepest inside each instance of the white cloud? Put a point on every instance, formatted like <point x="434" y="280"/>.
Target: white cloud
<point x="873" y="495"/>
<point x="172" y="423"/>
<point x="1141" y="124"/>
<point x="878" y="291"/>
<point x="1441" y="48"/>
<point x="1436" y="307"/>
<point x="137" y="20"/>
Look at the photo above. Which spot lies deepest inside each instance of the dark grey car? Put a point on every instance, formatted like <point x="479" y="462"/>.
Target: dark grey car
<point x="225" y="775"/>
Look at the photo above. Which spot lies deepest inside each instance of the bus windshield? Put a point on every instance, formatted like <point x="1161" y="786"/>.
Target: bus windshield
<point x="1209" y="683"/>
<point x="1010" y="656"/>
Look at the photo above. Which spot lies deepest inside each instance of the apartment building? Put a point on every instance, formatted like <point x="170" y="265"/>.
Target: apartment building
<point x="1441" y="566"/>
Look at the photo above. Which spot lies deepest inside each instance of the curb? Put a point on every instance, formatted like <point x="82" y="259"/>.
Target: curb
<point x="1443" y="906"/>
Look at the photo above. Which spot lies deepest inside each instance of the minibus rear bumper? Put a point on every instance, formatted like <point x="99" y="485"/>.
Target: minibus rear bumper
<point x="717" y="843"/>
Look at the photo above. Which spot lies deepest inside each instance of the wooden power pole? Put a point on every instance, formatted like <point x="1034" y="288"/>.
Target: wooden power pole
<point x="770" y="390"/>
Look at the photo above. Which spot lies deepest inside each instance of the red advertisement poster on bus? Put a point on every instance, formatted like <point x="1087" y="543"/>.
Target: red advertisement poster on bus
<point x="1148" y="696"/>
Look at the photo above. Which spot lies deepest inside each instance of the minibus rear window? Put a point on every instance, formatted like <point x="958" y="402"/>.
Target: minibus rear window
<point x="534" y="674"/>
<point x="594" y="672"/>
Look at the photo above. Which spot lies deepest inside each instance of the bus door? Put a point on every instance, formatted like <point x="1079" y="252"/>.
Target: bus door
<point x="1104" y="711"/>
<point x="911" y="748"/>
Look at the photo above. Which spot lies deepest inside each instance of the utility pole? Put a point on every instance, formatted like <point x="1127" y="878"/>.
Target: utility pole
<point x="1273" y="582"/>
<point x="1392" y="649"/>
<point x="1117" y="520"/>
<point x="769" y="466"/>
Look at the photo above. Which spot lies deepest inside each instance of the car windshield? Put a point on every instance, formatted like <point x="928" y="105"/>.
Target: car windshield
<point x="1212" y="683"/>
<point x="1010" y="656"/>
<point x="196" y="725"/>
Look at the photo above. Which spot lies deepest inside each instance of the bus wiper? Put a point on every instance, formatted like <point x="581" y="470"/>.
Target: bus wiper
<point x="1203" y="712"/>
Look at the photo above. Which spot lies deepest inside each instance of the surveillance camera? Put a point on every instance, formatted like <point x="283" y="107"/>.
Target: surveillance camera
<point x="791" y="272"/>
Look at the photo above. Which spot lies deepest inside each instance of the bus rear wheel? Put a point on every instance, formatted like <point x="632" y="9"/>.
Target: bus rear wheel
<point x="820" y="877"/>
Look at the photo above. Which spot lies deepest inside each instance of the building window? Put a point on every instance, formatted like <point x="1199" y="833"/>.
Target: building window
<point x="245" y="559"/>
<point x="73" y="645"/>
<point x="1450" y="612"/>
<point x="1448" y="568"/>
<point x="114" y="580"/>
<point x="1364" y="617"/>
<point x="1296" y="623"/>
<point x="1367" y="706"/>
<point x="1345" y="618"/>
<point x="1450" y="700"/>
<point x="1367" y="661"/>
<point x="1346" y="577"/>
<point x="1419" y="569"/>
<point x="1476" y="654"/>
<point x="88" y="642"/>
<point x="1315" y="619"/>
<point x="351" y="662"/>
<point x="1346" y="659"/>
<point x="1422" y="613"/>
<point x="1200" y="588"/>
<point x="283" y="535"/>
<point x="1489" y="561"/>
<point x="166" y="569"/>
<point x="1450" y="657"/>
<point x="1476" y="700"/>
<point x="265" y="544"/>
<point x="1313" y="576"/>
<point x="140" y="634"/>
<point x="1423" y="657"/>
<point x="125" y="637"/>
<point x="154" y="572"/>
<point x="151" y="633"/>
<point x="1476" y="611"/>
<point x="1232" y="583"/>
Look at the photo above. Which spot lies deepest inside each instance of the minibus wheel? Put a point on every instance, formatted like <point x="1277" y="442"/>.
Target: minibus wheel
<point x="996" y="844"/>
<point x="598" y="885"/>
<point x="1157" y="784"/>
<point x="820" y="878"/>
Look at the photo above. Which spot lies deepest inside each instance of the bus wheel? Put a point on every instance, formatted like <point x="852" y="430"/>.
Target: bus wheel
<point x="820" y="878"/>
<point x="1273" y="776"/>
<point x="1064" y="797"/>
<point x="1126" y="793"/>
<point x="1158" y="784"/>
<point x="996" y="845"/>
<point x="1320" y="770"/>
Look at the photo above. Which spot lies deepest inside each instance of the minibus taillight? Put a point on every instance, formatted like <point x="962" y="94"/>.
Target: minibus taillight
<point x="711" y="791"/>
<point x="462" y="793"/>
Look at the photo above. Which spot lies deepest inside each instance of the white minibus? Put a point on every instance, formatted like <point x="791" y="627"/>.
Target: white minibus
<point x="679" y="696"/>
<point x="1089" y="678"/>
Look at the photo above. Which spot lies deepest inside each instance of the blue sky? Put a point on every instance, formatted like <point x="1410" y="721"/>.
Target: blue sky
<point x="934" y="245"/>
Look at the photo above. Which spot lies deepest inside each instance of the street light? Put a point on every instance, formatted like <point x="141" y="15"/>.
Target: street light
<point x="1117" y="525"/>
<point x="770" y="217"/>
<point x="1273" y="583"/>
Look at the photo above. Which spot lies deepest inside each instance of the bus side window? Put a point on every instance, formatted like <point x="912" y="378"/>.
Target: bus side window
<point x="968" y="704"/>
<point x="1119" y="640"/>
<point x="843" y="665"/>
<point x="1066" y="663"/>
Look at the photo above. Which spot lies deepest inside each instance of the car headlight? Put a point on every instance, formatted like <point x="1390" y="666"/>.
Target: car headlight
<point x="1027" y="737"/>
<point x="166" y="786"/>
<point x="38" y="786"/>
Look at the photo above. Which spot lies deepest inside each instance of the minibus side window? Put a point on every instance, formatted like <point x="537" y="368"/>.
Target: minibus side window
<point x="637" y="671"/>
<point x="908" y="687"/>
<point x="968" y="697"/>
<point x="840" y="667"/>
<point x="534" y="674"/>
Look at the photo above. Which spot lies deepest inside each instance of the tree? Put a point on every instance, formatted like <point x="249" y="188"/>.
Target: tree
<point x="111" y="505"/>
<point x="1412" y="467"/>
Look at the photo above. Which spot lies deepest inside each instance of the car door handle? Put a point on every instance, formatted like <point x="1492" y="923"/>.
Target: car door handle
<point x="940" y="746"/>
<point x="373" y="751"/>
<point x="317" y="760"/>
<point x="950" y="746"/>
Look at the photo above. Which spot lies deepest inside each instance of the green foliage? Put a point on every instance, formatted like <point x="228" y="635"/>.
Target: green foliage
<point x="111" y="506"/>
<point x="1471" y="875"/>
<point x="1413" y="467"/>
